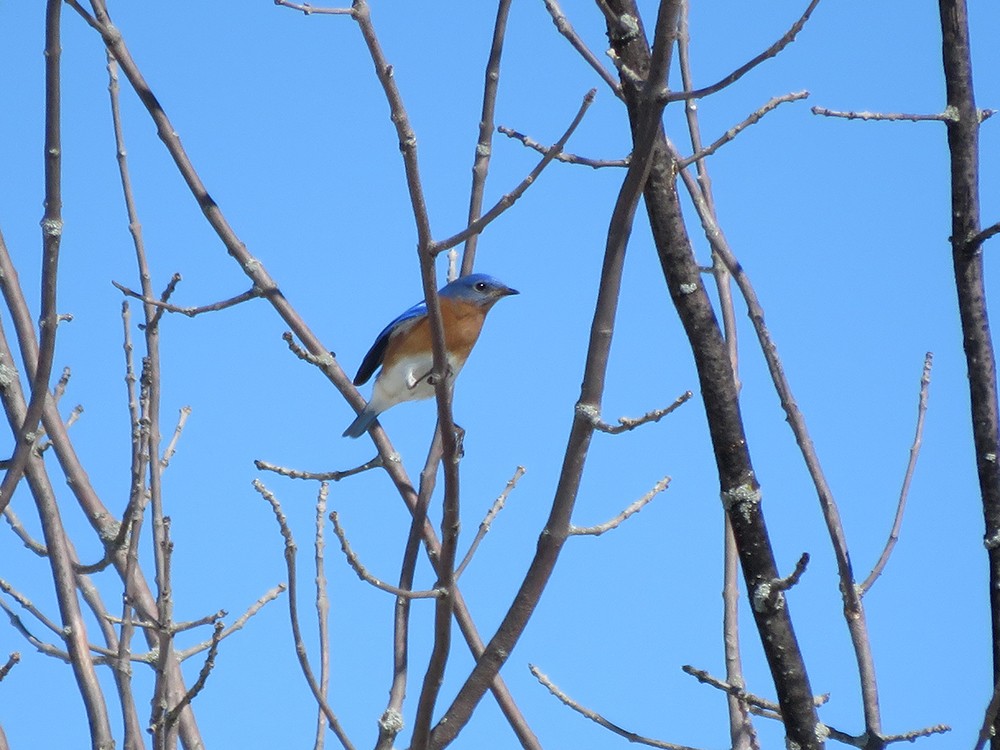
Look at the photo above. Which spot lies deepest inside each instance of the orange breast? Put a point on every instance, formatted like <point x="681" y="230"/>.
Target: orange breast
<point x="462" y="324"/>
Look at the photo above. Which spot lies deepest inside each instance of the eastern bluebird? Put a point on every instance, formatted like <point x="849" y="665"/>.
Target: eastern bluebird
<point x="404" y="346"/>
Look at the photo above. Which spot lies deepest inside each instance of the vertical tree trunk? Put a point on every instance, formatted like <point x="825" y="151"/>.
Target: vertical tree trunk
<point x="739" y="488"/>
<point x="963" y="143"/>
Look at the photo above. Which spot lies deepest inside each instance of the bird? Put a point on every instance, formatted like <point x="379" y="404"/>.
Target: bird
<point x="404" y="350"/>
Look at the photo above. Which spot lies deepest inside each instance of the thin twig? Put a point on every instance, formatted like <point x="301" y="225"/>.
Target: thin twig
<point x="185" y="412"/>
<point x="734" y="131"/>
<point x="631" y="510"/>
<point x="60" y="389"/>
<point x="238" y="623"/>
<point x="364" y="575"/>
<point x="916" y="734"/>
<point x="783" y="584"/>
<point x="306" y="356"/>
<point x="566" y="29"/>
<point x="190" y="311"/>
<point x="763" y="704"/>
<point x="28" y="606"/>
<point x="174" y="713"/>
<point x="16" y="526"/>
<point x="487" y="522"/>
<point x="484" y="146"/>
<point x="293" y="612"/>
<point x="74" y="415"/>
<point x="743" y="694"/>
<point x="564" y="156"/>
<point x="510" y="198"/>
<point x="626" y="424"/>
<point x="165" y="296"/>
<point x="925" y="382"/>
<point x="52" y="227"/>
<point x="975" y="243"/>
<point x="391" y="722"/>
<point x="180" y="627"/>
<point x="310" y="10"/>
<point x="41" y="646"/>
<point x="769" y="594"/>
<point x="323" y="476"/>
<point x="13" y="659"/>
<point x="770" y="52"/>
<point x="884" y="116"/>
<point x="322" y="611"/>
<point x="598" y="719"/>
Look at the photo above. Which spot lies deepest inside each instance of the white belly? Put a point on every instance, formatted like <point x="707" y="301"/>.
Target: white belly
<point x="407" y="381"/>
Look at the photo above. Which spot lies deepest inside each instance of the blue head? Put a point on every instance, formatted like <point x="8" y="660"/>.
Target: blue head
<point x="477" y="288"/>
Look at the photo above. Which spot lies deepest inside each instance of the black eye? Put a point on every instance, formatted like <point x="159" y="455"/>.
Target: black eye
<point x="481" y="286"/>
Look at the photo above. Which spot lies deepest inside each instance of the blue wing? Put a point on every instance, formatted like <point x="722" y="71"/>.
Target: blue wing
<point x="375" y="355"/>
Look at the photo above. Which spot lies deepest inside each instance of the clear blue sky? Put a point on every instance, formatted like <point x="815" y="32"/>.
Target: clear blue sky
<point x="842" y="226"/>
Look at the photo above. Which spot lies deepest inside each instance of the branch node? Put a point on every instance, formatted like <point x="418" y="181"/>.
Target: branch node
<point x="770" y="596"/>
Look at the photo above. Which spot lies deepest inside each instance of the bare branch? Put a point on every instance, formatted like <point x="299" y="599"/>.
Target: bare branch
<point x="74" y="415"/>
<point x="783" y="584"/>
<point x="29" y="541"/>
<point x="884" y="116"/>
<point x="309" y="10"/>
<point x="238" y="623"/>
<point x="215" y="617"/>
<point x="363" y="573"/>
<point x="770" y="52"/>
<point x="52" y="226"/>
<point x="190" y="311"/>
<point x="917" y="734"/>
<point x="391" y="722"/>
<point x="769" y="594"/>
<point x="484" y="147"/>
<point x="990" y="718"/>
<point x="298" y="351"/>
<point x="13" y="659"/>
<point x="598" y="719"/>
<point x="46" y="648"/>
<point x="591" y="392"/>
<point x="925" y="382"/>
<point x="975" y="243"/>
<point x="566" y="29"/>
<point x="772" y="710"/>
<point x="323" y="476"/>
<point x="853" y="607"/>
<point x="747" y="697"/>
<point x="263" y="280"/>
<point x="28" y="606"/>
<point x="60" y="389"/>
<point x="734" y="131"/>
<point x="165" y="296"/>
<point x="563" y="156"/>
<point x="293" y="612"/>
<point x="626" y="424"/>
<point x="484" y="526"/>
<point x="185" y="412"/>
<point x="174" y="713"/>
<point x="322" y="611"/>
<point x="631" y="510"/>
<point x="510" y="198"/>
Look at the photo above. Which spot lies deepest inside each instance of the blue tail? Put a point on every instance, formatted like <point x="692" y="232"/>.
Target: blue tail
<point x="360" y="425"/>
